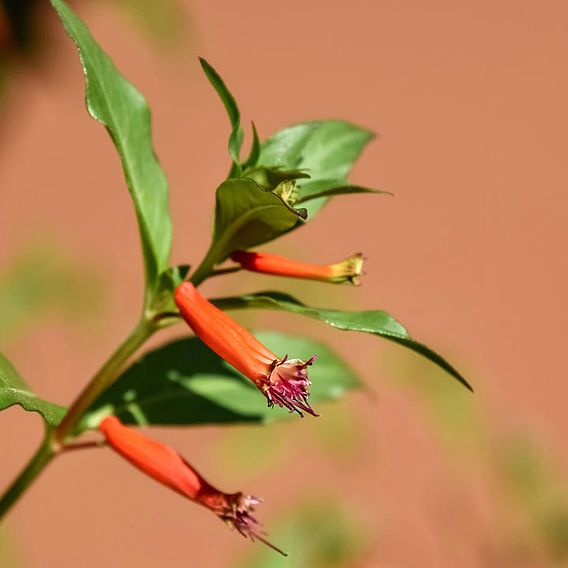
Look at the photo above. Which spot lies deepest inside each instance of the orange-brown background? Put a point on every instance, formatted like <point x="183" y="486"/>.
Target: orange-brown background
<point x="469" y="101"/>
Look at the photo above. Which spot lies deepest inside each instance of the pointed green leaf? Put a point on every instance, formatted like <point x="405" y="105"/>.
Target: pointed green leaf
<point x="254" y="149"/>
<point x="115" y="102"/>
<point x="333" y="191"/>
<point x="236" y="137"/>
<point x="185" y="383"/>
<point x="326" y="150"/>
<point x="13" y="390"/>
<point x="246" y="215"/>
<point x="285" y="149"/>
<point x="375" y="322"/>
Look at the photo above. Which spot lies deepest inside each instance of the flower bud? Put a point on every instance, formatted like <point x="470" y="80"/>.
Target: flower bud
<point x="284" y="381"/>
<point x="348" y="270"/>
<point x="166" y="466"/>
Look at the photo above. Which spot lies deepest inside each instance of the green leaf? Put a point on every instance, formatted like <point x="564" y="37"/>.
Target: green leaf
<point x="236" y="137"/>
<point x="115" y="102"/>
<point x="246" y="215"/>
<point x="13" y="390"/>
<point x="254" y="149"/>
<point x="333" y="191"/>
<point x="185" y="383"/>
<point x="326" y="150"/>
<point x="285" y="149"/>
<point x="375" y="322"/>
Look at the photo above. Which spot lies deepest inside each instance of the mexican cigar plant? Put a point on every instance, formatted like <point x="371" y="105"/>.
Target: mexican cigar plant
<point x="276" y="187"/>
<point x="283" y="382"/>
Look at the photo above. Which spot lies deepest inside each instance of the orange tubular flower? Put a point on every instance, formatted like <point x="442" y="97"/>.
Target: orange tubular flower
<point x="348" y="270"/>
<point x="283" y="381"/>
<point x="166" y="466"/>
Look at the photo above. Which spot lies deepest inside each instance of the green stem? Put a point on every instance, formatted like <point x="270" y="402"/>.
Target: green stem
<point x="107" y="374"/>
<point x="45" y="453"/>
<point x="223" y="271"/>
<point x="56" y="440"/>
<point x="203" y="271"/>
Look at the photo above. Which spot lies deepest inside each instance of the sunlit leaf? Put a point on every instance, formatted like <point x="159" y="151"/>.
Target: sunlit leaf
<point x="185" y="383"/>
<point x="254" y="153"/>
<point x="115" y="102"/>
<point x="13" y="390"/>
<point x="333" y="191"/>
<point x="236" y="137"/>
<point x="376" y="322"/>
<point x="326" y="150"/>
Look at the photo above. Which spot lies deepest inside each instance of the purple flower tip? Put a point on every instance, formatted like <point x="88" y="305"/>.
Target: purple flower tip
<point x="287" y="385"/>
<point x="238" y="514"/>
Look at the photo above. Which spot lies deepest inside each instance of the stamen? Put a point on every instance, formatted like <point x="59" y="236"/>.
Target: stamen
<point x="237" y="513"/>
<point x="287" y="385"/>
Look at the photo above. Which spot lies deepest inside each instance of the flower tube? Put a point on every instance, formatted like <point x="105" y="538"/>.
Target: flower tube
<point x="284" y="381"/>
<point x="165" y="465"/>
<point x="348" y="270"/>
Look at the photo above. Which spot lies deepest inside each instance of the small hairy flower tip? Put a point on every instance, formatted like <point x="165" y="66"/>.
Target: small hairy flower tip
<point x="287" y="385"/>
<point x="167" y="466"/>
<point x="349" y="270"/>
<point x="284" y="382"/>
<point x="236" y="510"/>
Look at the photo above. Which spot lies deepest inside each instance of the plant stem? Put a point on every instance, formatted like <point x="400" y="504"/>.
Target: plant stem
<point x="223" y="271"/>
<point x="203" y="271"/>
<point x="107" y="374"/>
<point x="55" y="441"/>
<point x="45" y="453"/>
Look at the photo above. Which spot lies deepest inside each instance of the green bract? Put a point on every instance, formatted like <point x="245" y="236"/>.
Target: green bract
<point x="246" y="215"/>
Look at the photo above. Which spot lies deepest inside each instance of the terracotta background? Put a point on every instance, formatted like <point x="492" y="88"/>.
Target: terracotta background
<point x="469" y="101"/>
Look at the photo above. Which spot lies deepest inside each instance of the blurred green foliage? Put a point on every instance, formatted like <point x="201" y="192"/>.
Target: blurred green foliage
<point x="23" y="25"/>
<point x="42" y="280"/>
<point x="318" y="534"/>
<point x="9" y="556"/>
<point x="250" y="451"/>
<point x="163" y="21"/>
<point x="539" y="490"/>
<point x="529" y="485"/>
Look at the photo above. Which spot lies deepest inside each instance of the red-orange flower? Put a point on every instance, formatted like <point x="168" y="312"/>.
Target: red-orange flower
<point x="165" y="465"/>
<point x="348" y="270"/>
<point x="283" y="381"/>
